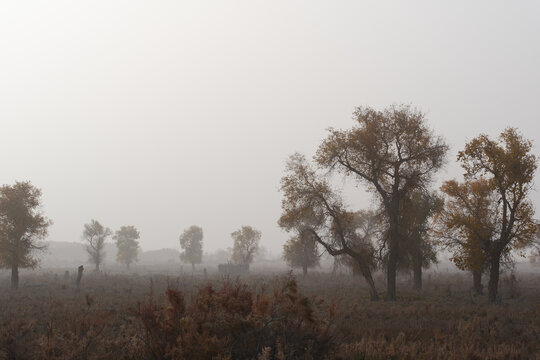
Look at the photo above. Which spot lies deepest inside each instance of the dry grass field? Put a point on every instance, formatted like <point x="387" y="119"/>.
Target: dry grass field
<point x="320" y="316"/>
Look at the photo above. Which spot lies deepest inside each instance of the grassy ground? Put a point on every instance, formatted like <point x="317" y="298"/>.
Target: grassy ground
<point x="48" y="318"/>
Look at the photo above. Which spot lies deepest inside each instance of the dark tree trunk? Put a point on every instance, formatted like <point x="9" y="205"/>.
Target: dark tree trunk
<point x="372" y="290"/>
<point x="15" y="277"/>
<point x="417" y="270"/>
<point x="366" y="273"/>
<point x="477" y="282"/>
<point x="391" y="271"/>
<point x="493" y="278"/>
<point x="304" y="269"/>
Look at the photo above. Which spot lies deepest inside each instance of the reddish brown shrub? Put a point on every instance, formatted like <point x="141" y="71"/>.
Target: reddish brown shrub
<point x="236" y="322"/>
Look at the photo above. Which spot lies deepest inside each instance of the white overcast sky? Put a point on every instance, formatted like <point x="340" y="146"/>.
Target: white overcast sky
<point x="164" y="114"/>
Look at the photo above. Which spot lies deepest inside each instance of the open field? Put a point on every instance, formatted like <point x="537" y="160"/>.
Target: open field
<point x="262" y="316"/>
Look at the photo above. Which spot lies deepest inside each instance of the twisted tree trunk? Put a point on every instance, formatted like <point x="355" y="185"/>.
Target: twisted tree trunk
<point x="366" y="273"/>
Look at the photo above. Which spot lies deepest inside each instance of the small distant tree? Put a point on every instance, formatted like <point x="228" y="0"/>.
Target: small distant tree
<point x="127" y="244"/>
<point x="23" y="227"/>
<point x="246" y="244"/>
<point x="94" y="235"/>
<point x="191" y="241"/>
<point x="301" y="251"/>
<point x="509" y="165"/>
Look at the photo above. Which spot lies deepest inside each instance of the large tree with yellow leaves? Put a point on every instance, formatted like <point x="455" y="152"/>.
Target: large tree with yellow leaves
<point x="467" y="225"/>
<point x="393" y="152"/>
<point x="504" y="168"/>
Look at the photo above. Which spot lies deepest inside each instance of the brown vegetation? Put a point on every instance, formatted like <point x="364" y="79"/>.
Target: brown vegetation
<point x="319" y="316"/>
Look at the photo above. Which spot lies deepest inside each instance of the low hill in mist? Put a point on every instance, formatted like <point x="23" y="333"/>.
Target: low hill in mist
<point x="168" y="256"/>
<point x="72" y="254"/>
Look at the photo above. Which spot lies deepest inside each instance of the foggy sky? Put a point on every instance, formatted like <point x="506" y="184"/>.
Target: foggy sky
<point x="164" y="114"/>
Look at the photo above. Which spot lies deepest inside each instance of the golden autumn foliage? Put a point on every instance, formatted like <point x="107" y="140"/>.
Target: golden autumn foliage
<point x="467" y="224"/>
<point x="491" y="212"/>
<point x="469" y="221"/>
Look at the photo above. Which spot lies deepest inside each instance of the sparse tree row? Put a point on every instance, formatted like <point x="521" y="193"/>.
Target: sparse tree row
<point x="245" y="247"/>
<point x="395" y="155"/>
<point x="95" y="236"/>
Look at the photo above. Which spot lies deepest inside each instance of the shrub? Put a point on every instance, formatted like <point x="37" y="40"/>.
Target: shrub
<point x="235" y="321"/>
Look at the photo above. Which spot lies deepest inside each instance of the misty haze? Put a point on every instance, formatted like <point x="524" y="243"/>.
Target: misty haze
<point x="269" y="180"/>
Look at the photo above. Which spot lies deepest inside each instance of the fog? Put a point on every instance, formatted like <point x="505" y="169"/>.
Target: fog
<point x="164" y="114"/>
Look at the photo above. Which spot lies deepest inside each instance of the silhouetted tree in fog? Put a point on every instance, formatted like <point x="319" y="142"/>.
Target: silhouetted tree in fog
<point x="127" y="244"/>
<point x="191" y="241"/>
<point x="418" y="250"/>
<point x="246" y="244"/>
<point x="392" y="151"/>
<point x="311" y="206"/>
<point x="22" y="228"/>
<point x="94" y="235"/>
<point x="301" y="251"/>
